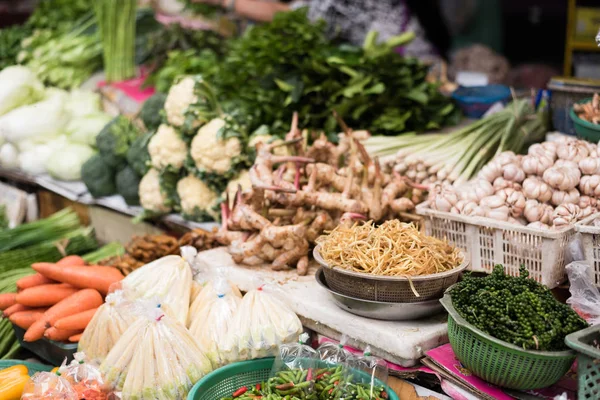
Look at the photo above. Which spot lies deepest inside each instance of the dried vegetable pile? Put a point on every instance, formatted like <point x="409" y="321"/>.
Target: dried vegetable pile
<point x="142" y="250"/>
<point x="295" y="197"/>
<point x="555" y="184"/>
<point x="393" y="248"/>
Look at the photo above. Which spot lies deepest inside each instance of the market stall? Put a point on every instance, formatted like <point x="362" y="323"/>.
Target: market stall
<point x="186" y="212"/>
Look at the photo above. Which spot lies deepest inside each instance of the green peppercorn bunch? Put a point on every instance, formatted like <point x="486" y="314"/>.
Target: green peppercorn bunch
<point x="517" y="310"/>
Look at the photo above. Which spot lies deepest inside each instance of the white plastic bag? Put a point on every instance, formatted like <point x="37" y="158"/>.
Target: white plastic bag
<point x="262" y="323"/>
<point x="168" y="278"/>
<point x="211" y="319"/>
<point x="207" y="293"/>
<point x="107" y="326"/>
<point x="585" y="297"/>
<point x="156" y="358"/>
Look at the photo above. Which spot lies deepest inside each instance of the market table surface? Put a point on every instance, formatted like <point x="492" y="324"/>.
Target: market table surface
<point x="400" y="342"/>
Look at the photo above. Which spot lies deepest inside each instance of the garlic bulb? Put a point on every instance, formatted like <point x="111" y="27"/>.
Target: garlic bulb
<point x="514" y="199"/>
<point x="501" y="183"/>
<point x="506" y="157"/>
<point x="537" y="212"/>
<point x="466" y="207"/>
<point x="512" y="172"/>
<point x="490" y="171"/>
<point x="443" y="197"/>
<point x="539" y="225"/>
<point x="546" y="149"/>
<point x="537" y="189"/>
<point x="566" y="214"/>
<point x="587" y="201"/>
<point x="476" y="190"/>
<point x="536" y="164"/>
<point x="590" y="185"/>
<point x="562" y="177"/>
<point x="495" y="207"/>
<point x="517" y="221"/>
<point x="586" y="212"/>
<point x="590" y="165"/>
<point x="561" y="197"/>
<point x="573" y="150"/>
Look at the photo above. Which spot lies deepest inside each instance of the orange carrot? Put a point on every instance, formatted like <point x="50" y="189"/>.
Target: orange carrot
<point x="14" y="309"/>
<point x="45" y="295"/>
<point x="7" y="300"/>
<point x="24" y="319"/>
<point x="72" y="261"/>
<point x="76" y="321"/>
<point x="75" y="338"/>
<point x="33" y="280"/>
<point x="60" y="334"/>
<point x="91" y="277"/>
<point x="83" y="300"/>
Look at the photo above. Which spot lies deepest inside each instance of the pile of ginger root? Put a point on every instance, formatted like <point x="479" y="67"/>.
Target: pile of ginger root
<point x="312" y="189"/>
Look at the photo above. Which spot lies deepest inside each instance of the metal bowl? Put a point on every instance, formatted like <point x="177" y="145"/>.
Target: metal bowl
<point x="389" y="289"/>
<point x="381" y="310"/>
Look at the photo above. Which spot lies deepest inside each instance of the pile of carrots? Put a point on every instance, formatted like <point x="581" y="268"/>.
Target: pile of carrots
<point x="59" y="300"/>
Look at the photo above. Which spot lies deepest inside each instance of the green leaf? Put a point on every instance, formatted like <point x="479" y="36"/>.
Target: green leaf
<point x="286" y="87"/>
<point x="417" y="95"/>
<point x="375" y="89"/>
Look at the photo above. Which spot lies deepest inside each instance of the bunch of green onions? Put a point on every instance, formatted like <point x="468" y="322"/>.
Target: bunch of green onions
<point x="458" y="156"/>
<point x="117" y="20"/>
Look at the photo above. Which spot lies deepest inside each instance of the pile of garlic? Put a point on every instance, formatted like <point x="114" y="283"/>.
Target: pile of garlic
<point x="556" y="184"/>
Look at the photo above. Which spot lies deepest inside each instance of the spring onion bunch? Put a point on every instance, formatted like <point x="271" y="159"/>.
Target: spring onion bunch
<point x="458" y="156"/>
<point x="117" y="21"/>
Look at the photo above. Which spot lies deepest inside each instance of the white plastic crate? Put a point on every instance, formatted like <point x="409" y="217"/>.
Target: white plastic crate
<point x="490" y="242"/>
<point x="590" y="239"/>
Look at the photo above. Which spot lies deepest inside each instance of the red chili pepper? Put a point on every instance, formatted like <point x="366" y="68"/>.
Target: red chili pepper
<point x="240" y="391"/>
<point x="285" y="386"/>
<point x="330" y="390"/>
<point x="336" y="383"/>
<point x="258" y="386"/>
<point x="309" y="374"/>
<point x="323" y="374"/>
<point x="384" y="394"/>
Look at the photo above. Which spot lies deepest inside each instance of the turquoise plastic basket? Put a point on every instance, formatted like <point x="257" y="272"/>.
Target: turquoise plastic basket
<point x="31" y="367"/>
<point x="224" y="381"/>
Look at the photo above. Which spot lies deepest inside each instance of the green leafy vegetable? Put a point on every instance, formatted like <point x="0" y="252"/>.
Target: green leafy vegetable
<point x="3" y="217"/>
<point x="10" y="44"/>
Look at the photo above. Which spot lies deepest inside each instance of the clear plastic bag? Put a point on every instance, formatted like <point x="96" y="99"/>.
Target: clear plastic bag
<point x="169" y="278"/>
<point x="374" y="373"/>
<point x="333" y="353"/>
<point x="585" y="297"/>
<point x="85" y="378"/>
<point x="261" y="324"/>
<point x="46" y="385"/>
<point x="212" y="317"/>
<point x="214" y="285"/>
<point x="156" y="358"/>
<point x="107" y="326"/>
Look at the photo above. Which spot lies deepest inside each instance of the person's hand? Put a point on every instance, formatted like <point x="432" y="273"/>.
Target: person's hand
<point x="213" y="2"/>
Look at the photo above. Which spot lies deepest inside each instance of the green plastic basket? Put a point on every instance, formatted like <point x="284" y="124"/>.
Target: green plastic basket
<point x="585" y="130"/>
<point x="586" y="342"/>
<point x="226" y="380"/>
<point x="501" y="363"/>
<point x="31" y="367"/>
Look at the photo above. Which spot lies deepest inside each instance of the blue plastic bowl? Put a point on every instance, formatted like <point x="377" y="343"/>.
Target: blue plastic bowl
<point x="475" y="101"/>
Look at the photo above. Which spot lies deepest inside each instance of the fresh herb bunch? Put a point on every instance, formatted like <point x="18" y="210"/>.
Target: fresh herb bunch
<point x="207" y="10"/>
<point x="57" y="15"/>
<point x="372" y="87"/>
<point x="517" y="310"/>
<point x="10" y="43"/>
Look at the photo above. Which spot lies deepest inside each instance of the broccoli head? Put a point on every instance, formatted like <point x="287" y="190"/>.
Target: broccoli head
<point x="98" y="176"/>
<point x="114" y="140"/>
<point x="138" y="157"/>
<point x="128" y="181"/>
<point x="151" y="113"/>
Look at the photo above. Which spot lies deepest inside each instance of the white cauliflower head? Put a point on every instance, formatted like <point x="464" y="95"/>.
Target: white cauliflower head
<point x="180" y="97"/>
<point x="243" y="180"/>
<point x="151" y="197"/>
<point x="195" y="194"/>
<point x="167" y="148"/>
<point x="211" y="153"/>
<point x="268" y="139"/>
